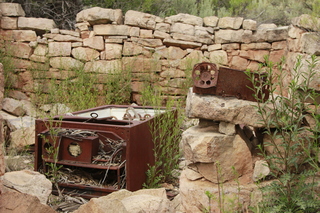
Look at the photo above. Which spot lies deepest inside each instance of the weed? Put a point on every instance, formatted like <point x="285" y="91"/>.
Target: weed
<point x="290" y="150"/>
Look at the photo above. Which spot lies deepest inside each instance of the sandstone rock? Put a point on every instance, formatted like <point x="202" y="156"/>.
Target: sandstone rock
<point x="18" y="35"/>
<point x="97" y="15"/>
<point x="113" y="51"/>
<point x="255" y="55"/>
<point x="172" y="53"/>
<point x="95" y="42"/>
<point x="231" y="46"/>
<point x="219" y="57"/>
<point x="41" y="50"/>
<point x="182" y="44"/>
<point x="214" y="47"/>
<point x="22" y="137"/>
<point x="261" y="170"/>
<point x="111" y="29"/>
<point x="63" y="38"/>
<point x="172" y="73"/>
<point x="55" y="109"/>
<point x="122" y="201"/>
<point x="141" y="64"/>
<point x="227" y="128"/>
<point x="13" y="106"/>
<point x="146" y="33"/>
<point x="29" y="182"/>
<point x="271" y="34"/>
<point x="15" y="123"/>
<point x="279" y="45"/>
<point x="249" y="24"/>
<point x="239" y="63"/>
<point x="210" y="21"/>
<point x="149" y="42"/>
<point x="229" y="36"/>
<point x="187" y="29"/>
<point x="194" y="198"/>
<point x="59" y="49"/>
<point x="191" y="174"/>
<point x="83" y="26"/>
<point x="295" y="32"/>
<point x="315" y="80"/>
<point x="15" y="94"/>
<point x="21" y="202"/>
<point x="139" y="19"/>
<point x="184" y="18"/>
<point x="161" y="35"/>
<point x="65" y="63"/>
<point x="306" y="22"/>
<point x="20" y="50"/>
<point x="103" y="66"/>
<point x="256" y="46"/>
<point x="163" y="27"/>
<point x="230" y="23"/>
<point x="130" y="49"/>
<point x="310" y="43"/>
<point x="11" y="9"/>
<point x="37" y="58"/>
<point x="85" y="54"/>
<point x="9" y="23"/>
<point x="43" y="24"/>
<point x="227" y="109"/>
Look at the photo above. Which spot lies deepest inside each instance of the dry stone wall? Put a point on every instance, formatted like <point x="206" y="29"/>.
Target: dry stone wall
<point x="106" y="40"/>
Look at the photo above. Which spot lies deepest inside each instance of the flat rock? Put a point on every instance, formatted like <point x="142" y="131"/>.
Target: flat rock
<point x="98" y="15"/>
<point x="11" y="9"/>
<point x="227" y="109"/>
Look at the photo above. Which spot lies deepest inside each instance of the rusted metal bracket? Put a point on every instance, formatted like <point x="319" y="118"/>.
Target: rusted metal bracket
<point x="226" y="82"/>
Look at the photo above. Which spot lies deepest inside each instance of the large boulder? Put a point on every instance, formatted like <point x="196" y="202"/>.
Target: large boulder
<point x="28" y="182"/>
<point x="124" y="201"/>
<point x="21" y="202"/>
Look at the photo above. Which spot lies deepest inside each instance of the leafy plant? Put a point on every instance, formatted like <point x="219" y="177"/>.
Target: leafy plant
<point x="293" y="146"/>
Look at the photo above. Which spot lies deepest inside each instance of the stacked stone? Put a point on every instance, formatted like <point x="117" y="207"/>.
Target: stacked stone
<point x="216" y="156"/>
<point x="163" y="48"/>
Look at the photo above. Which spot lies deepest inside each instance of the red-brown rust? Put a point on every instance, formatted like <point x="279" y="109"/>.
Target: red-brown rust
<point x="137" y="148"/>
<point x="225" y="82"/>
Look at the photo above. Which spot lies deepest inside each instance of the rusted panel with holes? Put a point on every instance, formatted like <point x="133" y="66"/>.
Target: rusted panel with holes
<point x="226" y="82"/>
<point x="112" y="144"/>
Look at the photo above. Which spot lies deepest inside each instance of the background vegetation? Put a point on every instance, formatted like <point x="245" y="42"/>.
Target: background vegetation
<point x="263" y="11"/>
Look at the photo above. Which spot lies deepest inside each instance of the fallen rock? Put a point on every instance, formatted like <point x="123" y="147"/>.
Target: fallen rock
<point x="22" y="137"/>
<point x="13" y="107"/>
<point x="11" y="202"/>
<point x="29" y="182"/>
<point x="124" y="201"/>
<point x="261" y="170"/>
<point x="15" y="123"/>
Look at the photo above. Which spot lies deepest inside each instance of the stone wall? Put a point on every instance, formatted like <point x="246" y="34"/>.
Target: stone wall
<point x="167" y="48"/>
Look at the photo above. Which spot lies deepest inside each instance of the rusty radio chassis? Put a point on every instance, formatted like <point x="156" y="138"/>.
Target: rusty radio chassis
<point x="98" y="150"/>
<point x="222" y="81"/>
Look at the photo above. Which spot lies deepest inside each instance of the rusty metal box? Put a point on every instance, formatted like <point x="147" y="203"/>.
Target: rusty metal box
<point x="131" y="125"/>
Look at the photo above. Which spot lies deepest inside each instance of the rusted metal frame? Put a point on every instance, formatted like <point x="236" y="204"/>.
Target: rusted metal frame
<point x="138" y="152"/>
<point x="226" y="82"/>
